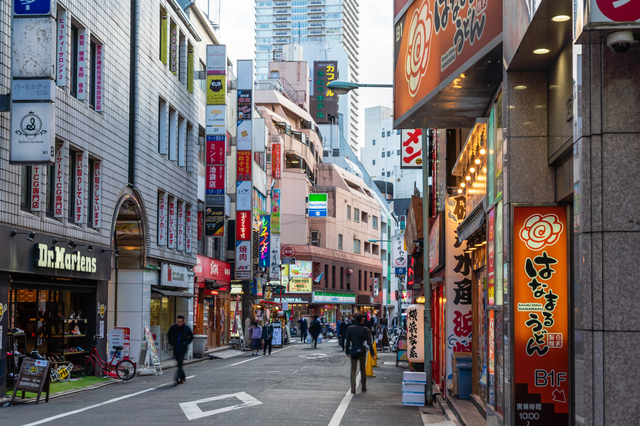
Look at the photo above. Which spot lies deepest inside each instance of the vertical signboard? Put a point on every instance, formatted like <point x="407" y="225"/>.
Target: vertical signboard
<point x="82" y="63"/>
<point x="398" y="252"/>
<point x="173" y="48"/>
<point x="32" y="132"/>
<point x="415" y="333"/>
<point x="411" y="149"/>
<point x="244" y="165"/>
<point x="216" y="89"/>
<point x="59" y="182"/>
<point x="491" y="291"/>
<point x="171" y="224"/>
<point x="275" y="211"/>
<point x="318" y="205"/>
<point x="216" y="120"/>
<point x="96" y="203"/>
<point x="61" y="49"/>
<point x="180" y="233"/>
<point x="188" y="231"/>
<point x="541" y="338"/>
<point x="215" y="180"/>
<point x="324" y="103"/>
<point x="458" y="283"/>
<point x="190" y="59"/>
<point x="274" y="270"/>
<point x="276" y="160"/>
<point x="99" y="86"/>
<point x="243" y="195"/>
<point x="215" y="149"/>
<point x="37" y="190"/>
<point x="264" y="239"/>
<point x="162" y="220"/>
<point x="79" y="195"/>
<point x="243" y="260"/>
<point x="243" y="226"/>
<point x="214" y="221"/>
<point x="164" y="36"/>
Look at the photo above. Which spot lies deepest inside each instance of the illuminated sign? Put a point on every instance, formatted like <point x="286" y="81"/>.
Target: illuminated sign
<point x="264" y="240"/>
<point x="58" y="258"/>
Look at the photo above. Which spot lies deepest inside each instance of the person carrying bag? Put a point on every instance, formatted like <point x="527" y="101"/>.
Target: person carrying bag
<point x="357" y="335"/>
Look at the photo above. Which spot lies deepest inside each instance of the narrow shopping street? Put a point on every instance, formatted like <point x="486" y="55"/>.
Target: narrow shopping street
<point x="296" y="385"/>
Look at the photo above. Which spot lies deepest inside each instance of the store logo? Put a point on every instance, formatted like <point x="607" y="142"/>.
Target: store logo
<point x="540" y="231"/>
<point x="215" y="86"/>
<point x="31" y="126"/>
<point x="3" y="309"/>
<point x="58" y="258"/>
<point x="102" y="309"/>
<point x="418" y="47"/>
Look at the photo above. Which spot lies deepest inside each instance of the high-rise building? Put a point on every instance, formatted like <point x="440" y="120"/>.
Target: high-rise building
<point x="327" y="30"/>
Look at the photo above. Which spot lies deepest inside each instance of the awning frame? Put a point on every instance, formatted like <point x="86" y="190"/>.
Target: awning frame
<point x="472" y="222"/>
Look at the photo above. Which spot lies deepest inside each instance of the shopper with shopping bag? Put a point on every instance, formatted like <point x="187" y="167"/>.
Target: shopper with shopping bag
<point x="355" y="348"/>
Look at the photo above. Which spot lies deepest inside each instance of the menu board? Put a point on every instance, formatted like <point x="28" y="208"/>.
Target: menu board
<point x="277" y="335"/>
<point x="151" y="346"/>
<point x="34" y="377"/>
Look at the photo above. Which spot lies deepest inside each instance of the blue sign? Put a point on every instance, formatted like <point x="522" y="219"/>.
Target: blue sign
<point x="214" y="191"/>
<point x="318" y="213"/>
<point x="32" y="7"/>
<point x="401" y="271"/>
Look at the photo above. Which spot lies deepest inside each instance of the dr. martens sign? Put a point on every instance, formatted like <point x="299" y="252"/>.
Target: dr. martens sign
<point x="58" y="258"/>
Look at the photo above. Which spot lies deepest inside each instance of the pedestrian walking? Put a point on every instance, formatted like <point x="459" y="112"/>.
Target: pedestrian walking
<point x="267" y="336"/>
<point x="255" y="332"/>
<point x="394" y="321"/>
<point x="180" y="337"/>
<point x="344" y="325"/>
<point x="314" y="330"/>
<point x="357" y="335"/>
<point x="303" y="329"/>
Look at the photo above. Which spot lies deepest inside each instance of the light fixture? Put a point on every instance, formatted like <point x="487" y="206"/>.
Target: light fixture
<point x="477" y="160"/>
<point x="30" y="235"/>
<point x="467" y="177"/>
<point x="472" y="169"/>
<point x="541" y="51"/>
<point x="463" y="184"/>
<point x="420" y="299"/>
<point x="72" y="244"/>
<point x="484" y="170"/>
<point x="520" y="87"/>
<point x="482" y="150"/>
<point x="462" y="75"/>
<point x="560" y="18"/>
<point x="459" y="190"/>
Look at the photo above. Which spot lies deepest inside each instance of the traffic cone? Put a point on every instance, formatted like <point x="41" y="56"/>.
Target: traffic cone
<point x="375" y="348"/>
<point x="374" y="359"/>
<point x="369" y="367"/>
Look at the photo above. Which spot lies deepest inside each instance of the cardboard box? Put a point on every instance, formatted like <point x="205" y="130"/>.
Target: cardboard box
<point x="413" y="388"/>
<point x="413" y="399"/>
<point x="411" y="377"/>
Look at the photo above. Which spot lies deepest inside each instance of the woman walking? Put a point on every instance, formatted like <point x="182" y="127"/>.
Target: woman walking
<point x="255" y="332"/>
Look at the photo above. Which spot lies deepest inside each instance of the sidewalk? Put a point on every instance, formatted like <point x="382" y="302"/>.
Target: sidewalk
<point x="466" y="411"/>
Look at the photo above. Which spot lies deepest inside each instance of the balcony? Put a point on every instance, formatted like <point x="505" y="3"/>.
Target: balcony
<point x="281" y="11"/>
<point x="316" y="17"/>
<point x="316" y="2"/>
<point x="316" y="32"/>
<point x="281" y="26"/>
<point x="281" y="33"/>
<point x="316" y="24"/>
<point x="316" y="10"/>
<point x="281" y="40"/>
<point x="281" y="3"/>
<point x="282" y="18"/>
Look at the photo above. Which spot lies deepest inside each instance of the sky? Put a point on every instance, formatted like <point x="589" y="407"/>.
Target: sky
<point x="376" y="45"/>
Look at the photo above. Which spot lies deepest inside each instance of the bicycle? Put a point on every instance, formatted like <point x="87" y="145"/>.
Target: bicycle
<point x="125" y="369"/>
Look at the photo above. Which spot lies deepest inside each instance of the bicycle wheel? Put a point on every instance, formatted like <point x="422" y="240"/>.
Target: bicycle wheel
<point x="89" y="366"/>
<point x="125" y="369"/>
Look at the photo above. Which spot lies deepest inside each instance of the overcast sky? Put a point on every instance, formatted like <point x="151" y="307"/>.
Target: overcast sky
<point x="376" y="45"/>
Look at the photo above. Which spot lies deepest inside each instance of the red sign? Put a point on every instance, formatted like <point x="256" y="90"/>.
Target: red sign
<point x="244" y="165"/>
<point x="541" y="315"/>
<point x="243" y="226"/>
<point x="620" y="11"/>
<point x="213" y="269"/>
<point x="276" y="160"/>
<point x="215" y="180"/>
<point x="79" y="194"/>
<point x="411" y="157"/>
<point x="288" y="251"/>
<point x="215" y="149"/>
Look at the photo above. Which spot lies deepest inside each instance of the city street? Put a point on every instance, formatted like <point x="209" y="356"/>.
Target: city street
<point x="296" y="385"/>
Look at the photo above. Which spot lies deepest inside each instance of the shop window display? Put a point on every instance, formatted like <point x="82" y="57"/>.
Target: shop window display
<point x="162" y="317"/>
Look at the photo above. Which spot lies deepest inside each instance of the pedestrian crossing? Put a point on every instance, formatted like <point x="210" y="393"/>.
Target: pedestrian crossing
<point x="229" y="353"/>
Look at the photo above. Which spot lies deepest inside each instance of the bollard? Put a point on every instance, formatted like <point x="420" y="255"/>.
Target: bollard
<point x="369" y="368"/>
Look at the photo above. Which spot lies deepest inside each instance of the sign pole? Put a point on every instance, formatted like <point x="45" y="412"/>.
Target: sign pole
<point x="425" y="250"/>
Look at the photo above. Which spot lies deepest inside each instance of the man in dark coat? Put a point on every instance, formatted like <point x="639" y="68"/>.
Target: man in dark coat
<point x="267" y="337"/>
<point x="180" y="337"/>
<point x="303" y="329"/>
<point x="343" y="331"/>
<point x="357" y="335"/>
<point x="314" y="329"/>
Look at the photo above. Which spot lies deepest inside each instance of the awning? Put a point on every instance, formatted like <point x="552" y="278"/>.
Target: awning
<point x="172" y="293"/>
<point x="472" y="223"/>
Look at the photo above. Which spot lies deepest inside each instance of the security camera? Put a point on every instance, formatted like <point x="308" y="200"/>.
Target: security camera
<point x="620" y="41"/>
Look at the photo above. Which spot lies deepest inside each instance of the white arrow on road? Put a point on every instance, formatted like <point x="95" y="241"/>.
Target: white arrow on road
<point x="193" y="412"/>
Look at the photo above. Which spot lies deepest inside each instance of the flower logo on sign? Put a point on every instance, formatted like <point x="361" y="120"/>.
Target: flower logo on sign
<point x="418" y="47"/>
<point x="540" y="231"/>
<point x="244" y="133"/>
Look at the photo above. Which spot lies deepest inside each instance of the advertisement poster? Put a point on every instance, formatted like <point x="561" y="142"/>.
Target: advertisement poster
<point x="243" y="226"/>
<point x="264" y="239"/>
<point x="541" y="338"/>
<point x="300" y="285"/>
<point x="216" y="90"/>
<point x="243" y="256"/>
<point x="274" y="269"/>
<point x="214" y="221"/>
<point x="215" y="178"/>
<point x="215" y="149"/>
<point x="244" y="165"/>
<point x="411" y="154"/>
<point x="415" y="335"/>
<point x="399" y="252"/>
<point x="458" y="283"/>
<point x="244" y="105"/>
<point x="275" y="211"/>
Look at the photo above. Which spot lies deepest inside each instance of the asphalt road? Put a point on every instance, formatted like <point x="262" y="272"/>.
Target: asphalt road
<point x="296" y="385"/>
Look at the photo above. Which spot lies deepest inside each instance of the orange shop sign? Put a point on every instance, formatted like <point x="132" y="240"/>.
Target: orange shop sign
<point x="438" y="39"/>
<point x="541" y="340"/>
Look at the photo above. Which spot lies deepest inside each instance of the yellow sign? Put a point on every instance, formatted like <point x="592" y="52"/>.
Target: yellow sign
<point x="216" y="90"/>
<point x="190" y="69"/>
<point x="164" y="37"/>
<point x="300" y="285"/>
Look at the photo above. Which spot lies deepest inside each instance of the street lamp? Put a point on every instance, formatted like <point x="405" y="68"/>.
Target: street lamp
<point x="344" y="87"/>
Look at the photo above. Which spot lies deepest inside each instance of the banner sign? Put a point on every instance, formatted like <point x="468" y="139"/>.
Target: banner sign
<point x="457" y="283"/>
<point x="37" y="190"/>
<point x="79" y="188"/>
<point x="244" y="106"/>
<point x="243" y="256"/>
<point x="264" y="237"/>
<point x="216" y="90"/>
<point x="180" y="233"/>
<point x="541" y="337"/>
<point x="215" y="180"/>
<point x="243" y="226"/>
<point x="215" y="149"/>
<point x="173" y="49"/>
<point x="82" y="63"/>
<point x="318" y="205"/>
<point x="275" y="211"/>
<point x="171" y="239"/>
<point x="214" y="221"/>
<point x="243" y="196"/>
<point x="216" y="59"/>
<point x="276" y="160"/>
<point x="97" y="194"/>
<point x="411" y="144"/>
<point x="61" y="49"/>
<point x="244" y="135"/>
<point x="491" y="292"/>
<point x="436" y="248"/>
<point x="164" y="36"/>
<point x="415" y="333"/>
<point x="216" y="119"/>
<point x="99" y="86"/>
<point x="274" y="269"/>
<point x="188" y="231"/>
<point x="162" y="220"/>
<point x="190" y="64"/>
<point x="300" y="285"/>
<point x="33" y="131"/>
<point x="399" y="252"/>
<point x="59" y="182"/>
<point x="244" y="165"/>
<point x="324" y="103"/>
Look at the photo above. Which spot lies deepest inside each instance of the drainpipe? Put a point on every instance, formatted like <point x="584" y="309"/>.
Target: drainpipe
<point x="426" y="140"/>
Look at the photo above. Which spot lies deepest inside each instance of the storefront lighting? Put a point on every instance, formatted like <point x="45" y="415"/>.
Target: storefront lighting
<point x="520" y="87"/>
<point x="462" y="75"/>
<point x="541" y="51"/>
<point x="467" y="177"/>
<point x="482" y="150"/>
<point x="560" y="18"/>
<point x="472" y="248"/>
<point x="472" y="169"/>
<point x="484" y="170"/>
<point x="459" y="190"/>
<point x="30" y="235"/>
<point x="477" y="158"/>
<point x="463" y="184"/>
<point x="420" y="299"/>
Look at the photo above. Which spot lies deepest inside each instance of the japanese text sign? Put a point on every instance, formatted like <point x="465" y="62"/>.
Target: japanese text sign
<point x="491" y="288"/>
<point x="243" y="256"/>
<point x="37" y="189"/>
<point x="214" y="221"/>
<point x="411" y="144"/>
<point x="162" y="220"/>
<point x="215" y="180"/>
<point x="59" y="182"/>
<point x="324" y="103"/>
<point x="215" y="149"/>
<point x="264" y="237"/>
<point x="98" y="70"/>
<point x="188" y="231"/>
<point x="276" y="160"/>
<point x="82" y="63"/>
<point x="244" y="165"/>
<point x="415" y="333"/>
<point x="96" y="203"/>
<point x="171" y="235"/>
<point x="541" y="314"/>
<point x="435" y="40"/>
<point x="78" y="197"/>
<point x="243" y="226"/>
<point x="399" y="252"/>
<point x="275" y="211"/>
<point x="61" y="49"/>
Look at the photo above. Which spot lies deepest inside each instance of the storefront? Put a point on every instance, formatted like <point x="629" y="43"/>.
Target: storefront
<point x="333" y="305"/>
<point x="53" y="296"/>
<point x="212" y="311"/>
<point x="173" y="296"/>
<point x="295" y="306"/>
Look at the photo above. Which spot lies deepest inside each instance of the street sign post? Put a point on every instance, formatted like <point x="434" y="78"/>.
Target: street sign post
<point x="288" y="251"/>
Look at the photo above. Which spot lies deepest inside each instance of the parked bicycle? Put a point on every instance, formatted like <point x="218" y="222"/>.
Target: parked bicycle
<point x="125" y="369"/>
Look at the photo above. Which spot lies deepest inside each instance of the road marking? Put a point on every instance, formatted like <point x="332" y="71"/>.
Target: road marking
<point x="253" y="358"/>
<point x="59" y="416"/>
<point x="314" y="356"/>
<point x="193" y="412"/>
<point x="190" y="377"/>
<point x="342" y="408"/>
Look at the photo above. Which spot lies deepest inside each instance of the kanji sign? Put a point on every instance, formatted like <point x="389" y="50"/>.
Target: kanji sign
<point x="215" y="149"/>
<point x="96" y="203"/>
<point x="243" y="226"/>
<point x="399" y="252"/>
<point x="78" y="197"/>
<point x="37" y="188"/>
<point x="58" y="182"/>
<point x="276" y="160"/>
<point x="415" y="333"/>
<point x="162" y="220"/>
<point x="180" y="232"/>
<point x="411" y="144"/>
<point x="171" y="234"/>
<point x="82" y="63"/>
<point x="99" y="83"/>
<point x="275" y="211"/>
<point x="264" y="238"/>
<point x="215" y="180"/>
<point x="243" y="256"/>
<point x="541" y="314"/>
<point x="188" y="231"/>
<point x="61" y="49"/>
<point x="244" y="165"/>
<point x="324" y="103"/>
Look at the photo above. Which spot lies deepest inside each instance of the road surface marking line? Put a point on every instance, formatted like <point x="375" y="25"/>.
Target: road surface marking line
<point x="342" y="408"/>
<point x="253" y="358"/>
<point x="191" y="377"/>
<point x="193" y="412"/>
<point x="59" y="416"/>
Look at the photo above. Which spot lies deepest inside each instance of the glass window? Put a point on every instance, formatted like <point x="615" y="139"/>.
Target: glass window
<point x="92" y="76"/>
<point x="383" y="134"/>
<point x="356" y="215"/>
<point x="25" y="187"/>
<point x="388" y="132"/>
<point x="388" y="174"/>
<point x="374" y="222"/>
<point x="356" y="245"/>
<point x="398" y="153"/>
<point x="383" y="154"/>
<point x="374" y="162"/>
<point x="339" y="241"/>
<point x="349" y="212"/>
<point x="374" y="141"/>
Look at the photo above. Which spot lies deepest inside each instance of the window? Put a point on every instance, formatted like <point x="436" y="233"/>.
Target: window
<point x="398" y="153"/>
<point x="341" y="278"/>
<point x="203" y="82"/>
<point x="383" y="133"/>
<point x="360" y="280"/>
<point x="182" y="141"/>
<point x="348" y="212"/>
<point x="375" y="248"/>
<point x="374" y="162"/>
<point x="374" y="141"/>
<point x="162" y="127"/>
<point x="383" y="154"/>
<point x="374" y="222"/>
<point x="72" y="184"/>
<point x="336" y="152"/>
<point x="398" y="132"/>
<point x="315" y="238"/>
<point x="25" y="187"/>
<point x="173" y="134"/>
<point x="388" y="132"/>
<point x="367" y="247"/>
<point x="73" y="75"/>
<point x="333" y="276"/>
<point x="326" y="276"/>
<point x="356" y="215"/>
<point x="339" y="241"/>
<point x="388" y="153"/>
<point x="365" y="281"/>
<point x="356" y="245"/>
<point x="365" y="217"/>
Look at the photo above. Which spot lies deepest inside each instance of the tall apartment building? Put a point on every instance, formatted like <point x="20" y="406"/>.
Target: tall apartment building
<point x="381" y="155"/>
<point x="326" y="30"/>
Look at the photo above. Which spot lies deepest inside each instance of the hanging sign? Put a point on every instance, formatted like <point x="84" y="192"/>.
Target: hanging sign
<point x="187" y="239"/>
<point x="181" y="226"/>
<point x="82" y="63"/>
<point x="415" y="333"/>
<point x="61" y="49"/>
<point x="411" y="149"/>
<point x="96" y="181"/>
<point x="171" y="239"/>
<point x="276" y="160"/>
<point x="37" y="190"/>
<point x="58" y="182"/>
<point x="541" y="351"/>
<point x="79" y="195"/>
<point x="399" y="252"/>
<point x="264" y="238"/>
<point x="243" y="258"/>
<point x="243" y="226"/>
<point x="162" y="220"/>
<point x="33" y="130"/>
<point x="274" y="270"/>
<point x="244" y="165"/>
<point x="275" y="211"/>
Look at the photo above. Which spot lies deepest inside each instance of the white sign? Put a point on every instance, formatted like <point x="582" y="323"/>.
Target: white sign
<point x="216" y="59"/>
<point x="411" y="143"/>
<point x="174" y="276"/>
<point x="33" y="90"/>
<point x="274" y="269"/>
<point x="244" y="135"/>
<point x="97" y="194"/>
<point x="243" y="256"/>
<point x="193" y="412"/>
<point x="61" y="49"/>
<point x="78" y="214"/>
<point x="162" y="220"/>
<point x="415" y="336"/>
<point x="171" y="240"/>
<point x="216" y="117"/>
<point x="82" y="63"/>
<point x="399" y="252"/>
<point x="376" y="287"/>
<point x="58" y="182"/>
<point x="115" y="338"/>
<point x="98" y="70"/>
<point x="181" y="226"/>
<point x="187" y="238"/>
<point x="277" y="336"/>
<point x="38" y="193"/>
<point x="243" y="199"/>
<point x="33" y="132"/>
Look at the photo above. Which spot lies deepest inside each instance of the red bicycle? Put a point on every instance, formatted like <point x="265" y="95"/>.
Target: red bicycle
<point x="125" y="369"/>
